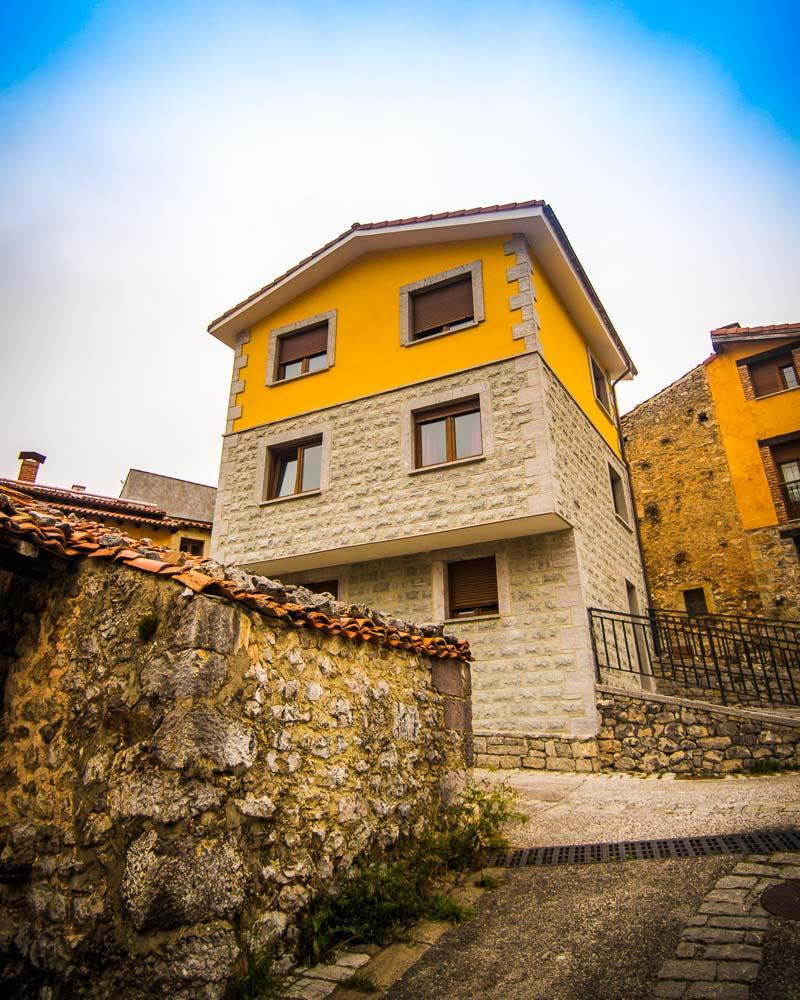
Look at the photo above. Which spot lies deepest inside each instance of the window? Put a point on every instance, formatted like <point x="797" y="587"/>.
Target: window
<point x="441" y="303"/>
<point x="472" y="588"/>
<point x="618" y="493"/>
<point x="439" y="308"/>
<point x="600" y="385"/>
<point x="786" y="457"/>
<point x="773" y="371"/>
<point x="324" y="587"/>
<point x="303" y="352"/>
<point x="694" y="601"/>
<point x="447" y="433"/>
<point x="295" y="469"/>
<point x="194" y="546"/>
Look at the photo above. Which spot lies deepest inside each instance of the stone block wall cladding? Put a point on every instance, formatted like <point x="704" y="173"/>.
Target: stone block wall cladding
<point x="155" y="793"/>
<point x="529" y="674"/>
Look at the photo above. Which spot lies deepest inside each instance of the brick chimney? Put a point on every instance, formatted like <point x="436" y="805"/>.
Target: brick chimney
<point x="29" y="469"/>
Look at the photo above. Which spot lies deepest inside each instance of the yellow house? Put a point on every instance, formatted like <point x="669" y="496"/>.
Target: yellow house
<point x="168" y="511"/>
<point x="422" y="418"/>
<point x="726" y="489"/>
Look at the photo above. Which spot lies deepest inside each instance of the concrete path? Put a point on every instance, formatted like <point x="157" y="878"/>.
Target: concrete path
<point x="598" y="932"/>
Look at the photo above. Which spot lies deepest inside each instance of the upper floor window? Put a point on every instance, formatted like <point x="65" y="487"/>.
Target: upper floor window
<point x="294" y="468"/>
<point x="618" y="493"/>
<point x="773" y="371"/>
<point x="787" y="461"/>
<point x="600" y="385"/>
<point x="441" y="303"/>
<point x="447" y="433"/>
<point x="694" y="600"/>
<point x="301" y="348"/>
<point x="472" y="588"/>
<point x="299" y="353"/>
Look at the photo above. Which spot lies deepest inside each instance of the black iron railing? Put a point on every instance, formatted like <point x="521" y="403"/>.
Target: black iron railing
<point x="712" y="657"/>
<point x="759" y="628"/>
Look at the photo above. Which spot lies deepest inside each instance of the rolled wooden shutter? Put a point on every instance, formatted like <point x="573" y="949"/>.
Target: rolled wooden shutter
<point x="442" y="305"/>
<point x="788" y="452"/>
<point x="765" y="376"/>
<point x="303" y="344"/>
<point x="472" y="584"/>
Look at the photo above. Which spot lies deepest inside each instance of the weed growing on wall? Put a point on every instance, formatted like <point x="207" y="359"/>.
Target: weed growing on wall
<point x="386" y="895"/>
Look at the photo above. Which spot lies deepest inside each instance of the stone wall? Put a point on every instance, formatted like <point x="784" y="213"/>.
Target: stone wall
<point x="175" y="766"/>
<point x="661" y="733"/>
<point x="692" y="534"/>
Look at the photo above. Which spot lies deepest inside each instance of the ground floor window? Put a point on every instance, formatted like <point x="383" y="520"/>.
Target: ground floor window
<point x="194" y="546"/>
<point x="694" y="601"/>
<point x="472" y="588"/>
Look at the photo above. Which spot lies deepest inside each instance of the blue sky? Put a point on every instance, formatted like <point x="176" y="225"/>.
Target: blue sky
<point x="158" y="161"/>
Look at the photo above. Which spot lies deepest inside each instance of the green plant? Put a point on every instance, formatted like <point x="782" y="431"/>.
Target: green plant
<point x="360" y="983"/>
<point x="487" y="882"/>
<point x="147" y="627"/>
<point x="384" y="897"/>
<point x="255" y="977"/>
<point x="444" y="908"/>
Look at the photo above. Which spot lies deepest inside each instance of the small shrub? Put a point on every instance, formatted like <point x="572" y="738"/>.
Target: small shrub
<point x="764" y="766"/>
<point x="360" y="983"/>
<point x="487" y="882"/>
<point x="147" y="627"/>
<point x="444" y="908"/>
<point x="257" y="979"/>
<point x="384" y="897"/>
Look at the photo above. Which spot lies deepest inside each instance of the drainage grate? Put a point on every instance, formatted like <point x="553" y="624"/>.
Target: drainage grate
<point x="761" y="842"/>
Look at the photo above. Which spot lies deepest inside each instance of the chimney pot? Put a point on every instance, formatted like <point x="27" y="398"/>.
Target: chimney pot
<point x="29" y="467"/>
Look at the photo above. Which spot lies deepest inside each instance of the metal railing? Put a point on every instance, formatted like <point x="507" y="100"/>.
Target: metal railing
<point x="711" y="658"/>
<point x="758" y="628"/>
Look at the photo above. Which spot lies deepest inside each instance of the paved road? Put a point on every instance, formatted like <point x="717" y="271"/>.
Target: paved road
<point x="597" y="932"/>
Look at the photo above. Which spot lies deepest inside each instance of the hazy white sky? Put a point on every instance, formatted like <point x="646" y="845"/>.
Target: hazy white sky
<point x="156" y="168"/>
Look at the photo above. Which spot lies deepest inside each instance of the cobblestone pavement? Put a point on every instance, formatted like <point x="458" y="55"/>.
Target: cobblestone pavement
<point x="579" y="809"/>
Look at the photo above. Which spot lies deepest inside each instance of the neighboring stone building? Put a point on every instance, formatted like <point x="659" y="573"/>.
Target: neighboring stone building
<point x="168" y="511"/>
<point x="715" y="460"/>
<point x="188" y="756"/>
<point x="422" y="418"/>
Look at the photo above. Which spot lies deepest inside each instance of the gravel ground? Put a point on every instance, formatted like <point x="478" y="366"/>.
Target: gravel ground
<point x="577" y="809"/>
<point x="779" y="978"/>
<point x="580" y="932"/>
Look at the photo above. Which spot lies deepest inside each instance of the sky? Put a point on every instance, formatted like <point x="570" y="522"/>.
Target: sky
<point x="160" y="161"/>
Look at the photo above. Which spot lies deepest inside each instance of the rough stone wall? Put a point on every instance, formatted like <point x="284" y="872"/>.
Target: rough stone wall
<point x="530" y="672"/>
<point x="369" y="495"/>
<point x="692" y="534"/>
<point x="608" y="550"/>
<point x="776" y="563"/>
<point x="158" y="791"/>
<point x="660" y="733"/>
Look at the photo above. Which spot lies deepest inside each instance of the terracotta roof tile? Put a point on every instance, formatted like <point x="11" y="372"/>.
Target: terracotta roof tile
<point x="26" y="519"/>
<point x="733" y="330"/>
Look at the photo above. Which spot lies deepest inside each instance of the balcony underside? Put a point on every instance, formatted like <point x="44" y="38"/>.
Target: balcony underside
<point x="518" y="527"/>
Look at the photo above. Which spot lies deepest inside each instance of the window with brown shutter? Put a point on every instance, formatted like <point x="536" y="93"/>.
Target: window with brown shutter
<point x="774" y="372"/>
<point x="694" y="601"/>
<point x="439" y="308"/>
<point x="303" y="352"/>
<point x="294" y="469"/>
<point x="447" y="433"/>
<point x="786" y="457"/>
<point x="472" y="587"/>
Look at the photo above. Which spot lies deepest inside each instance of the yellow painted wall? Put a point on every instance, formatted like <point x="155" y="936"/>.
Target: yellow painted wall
<point x="369" y="356"/>
<point x="564" y="349"/>
<point x="169" y="539"/>
<point x="743" y="422"/>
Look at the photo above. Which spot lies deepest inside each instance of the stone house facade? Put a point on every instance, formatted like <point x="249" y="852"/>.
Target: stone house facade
<point x="715" y="461"/>
<point x="518" y="523"/>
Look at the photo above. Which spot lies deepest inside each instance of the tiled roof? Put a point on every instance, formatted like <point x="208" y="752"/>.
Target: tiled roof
<point x="24" y="519"/>
<point x="96" y="505"/>
<point x="385" y="224"/>
<point x="734" y="331"/>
